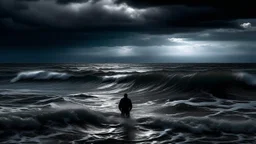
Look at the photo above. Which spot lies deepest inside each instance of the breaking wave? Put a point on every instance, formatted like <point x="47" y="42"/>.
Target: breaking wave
<point x="158" y="81"/>
<point x="40" y="75"/>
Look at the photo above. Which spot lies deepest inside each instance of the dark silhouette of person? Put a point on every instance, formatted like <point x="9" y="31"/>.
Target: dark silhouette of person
<point x="125" y="106"/>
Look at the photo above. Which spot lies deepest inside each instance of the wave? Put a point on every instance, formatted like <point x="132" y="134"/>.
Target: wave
<point x="248" y="78"/>
<point x="213" y="82"/>
<point x="200" y="125"/>
<point x="140" y="78"/>
<point x="40" y="75"/>
<point x="32" y="121"/>
<point x="86" y="117"/>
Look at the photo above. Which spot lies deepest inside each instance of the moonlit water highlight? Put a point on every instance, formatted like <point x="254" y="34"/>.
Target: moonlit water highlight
<point x="172" y="103"/>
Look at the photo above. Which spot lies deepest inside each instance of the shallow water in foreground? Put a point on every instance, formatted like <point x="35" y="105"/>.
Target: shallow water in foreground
<point x="172" y="103"/>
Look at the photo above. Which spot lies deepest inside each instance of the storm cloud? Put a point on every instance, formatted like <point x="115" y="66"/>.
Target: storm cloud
<point x="145" y="16"/>
<point x="118" y="29"/>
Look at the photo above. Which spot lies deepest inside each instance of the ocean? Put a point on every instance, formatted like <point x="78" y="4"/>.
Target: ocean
<point x="172" y="103"/>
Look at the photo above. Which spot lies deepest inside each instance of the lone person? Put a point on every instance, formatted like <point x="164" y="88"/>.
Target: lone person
<point x="125" y="106"/>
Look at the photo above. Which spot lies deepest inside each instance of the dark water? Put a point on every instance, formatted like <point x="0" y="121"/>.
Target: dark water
<point x="173" y="103"/>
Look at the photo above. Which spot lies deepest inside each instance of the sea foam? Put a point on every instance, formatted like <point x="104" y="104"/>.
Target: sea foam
<point x="40" y="75"/>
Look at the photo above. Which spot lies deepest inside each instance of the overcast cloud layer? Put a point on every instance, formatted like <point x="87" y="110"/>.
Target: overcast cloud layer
<point x="127" y="31"/>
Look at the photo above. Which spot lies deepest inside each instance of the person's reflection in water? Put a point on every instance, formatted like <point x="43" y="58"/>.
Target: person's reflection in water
<point x="125" y="106"/>
<point x="129" y="131"/>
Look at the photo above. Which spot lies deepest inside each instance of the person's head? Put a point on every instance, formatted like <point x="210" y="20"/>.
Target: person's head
<point x="125" y="95"/>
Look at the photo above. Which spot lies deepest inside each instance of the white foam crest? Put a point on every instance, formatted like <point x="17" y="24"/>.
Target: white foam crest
<point x="115" y="76"/>
<point x="250" y="79"/>
<point x="40" y="75"/>
<point x="106" y="86"/>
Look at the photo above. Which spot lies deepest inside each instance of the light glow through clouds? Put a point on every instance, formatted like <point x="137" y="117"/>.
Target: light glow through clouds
<point x="202" y="48"/>
<point x="131" y="12"/>
<point x="77" y="6"/>
<point x="110" y="7"/>
<point x="177" y="40"/>
<point x="188" y="49"/>
<point x="246" y="25"/>
<point x="125" y="51"/>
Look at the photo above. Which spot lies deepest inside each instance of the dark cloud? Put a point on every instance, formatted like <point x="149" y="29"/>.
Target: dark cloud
<point x="127" y="30"/>
<point x="28" y="0"/>
<point x="70" y="1"/>
<point x="139" y="15"/>
<point x="209" y="3"/>
<point x="217" y="10"/>
<point x="75" y="1"/>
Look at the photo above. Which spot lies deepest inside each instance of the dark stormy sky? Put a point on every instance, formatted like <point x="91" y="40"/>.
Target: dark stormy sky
<point x="127" y="31"/>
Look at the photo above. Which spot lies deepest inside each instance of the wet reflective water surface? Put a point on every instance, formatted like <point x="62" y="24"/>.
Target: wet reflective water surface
<point x="172" y="103"/>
